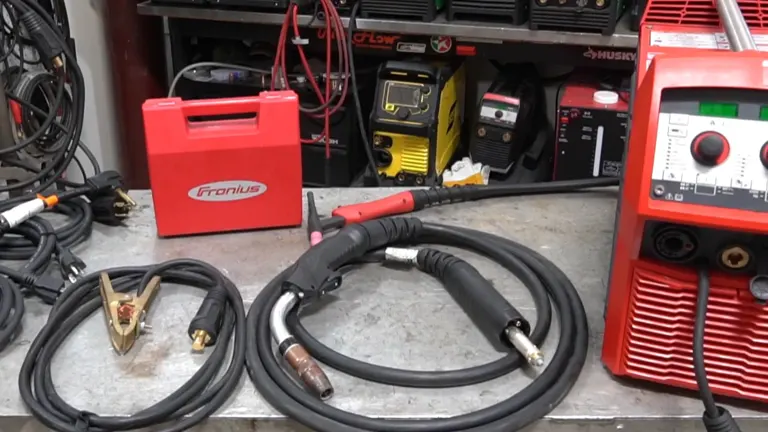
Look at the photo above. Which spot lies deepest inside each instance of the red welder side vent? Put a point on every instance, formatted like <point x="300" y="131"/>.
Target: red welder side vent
<point x="702" y="12"/>
<point x="659" y="336"/>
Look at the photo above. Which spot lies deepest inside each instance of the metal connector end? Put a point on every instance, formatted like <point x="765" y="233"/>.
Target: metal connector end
<point x="309" y="371"/>
<point x="402" y="255"/>
<point x="72" y="277"/>
<point x="58" y="62"/>
<point x="199" y="340"/>
<point x="520" y="341"/>
<point x="125" y="197"/>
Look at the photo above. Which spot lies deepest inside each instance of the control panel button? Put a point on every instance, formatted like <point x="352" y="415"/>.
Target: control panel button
<point x="764" y="155"/>
<point x="741" y="183"/>
<point x="499" y="114"/>
<point x="677" y="132"/>
<point x="678" y="119"/>
<point x="710" y="148"/>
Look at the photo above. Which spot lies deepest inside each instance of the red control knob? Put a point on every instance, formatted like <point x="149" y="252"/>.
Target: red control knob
<point x="764" y="155"/>
<point x="710" y="148"/>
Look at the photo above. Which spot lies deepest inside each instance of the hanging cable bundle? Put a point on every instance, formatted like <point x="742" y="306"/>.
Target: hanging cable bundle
<point x="334" y="95"/>
<point x="219" y="323"/>
<point x="45" y="98"/>
<point x="65" y="95"/>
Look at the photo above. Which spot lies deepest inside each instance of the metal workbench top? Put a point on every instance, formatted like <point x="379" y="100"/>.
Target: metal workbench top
<point x="622" y="38"/>
<point x="390" y="317"/>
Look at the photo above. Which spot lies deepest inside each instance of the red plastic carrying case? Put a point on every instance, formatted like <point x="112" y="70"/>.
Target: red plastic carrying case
<point x="224" y="164"/>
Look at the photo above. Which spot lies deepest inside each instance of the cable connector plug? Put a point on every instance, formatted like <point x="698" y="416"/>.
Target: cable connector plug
<point x="46" y="42"/>
<point x="110" y="203"/>
<point x="19" y="214"/>
<point x="71" y="266"/>
<point x="47" y="287"/>
<point x="204" y="327"/>
<point x="107" y="181"/>
<point x="110" y="209"/>
<point x="497" y="319"/>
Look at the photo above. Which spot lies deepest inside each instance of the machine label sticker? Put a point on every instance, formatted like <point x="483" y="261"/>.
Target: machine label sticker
<point x="479" y="40"/>
<point x="441" y="44"/>
<point x="628" y="56"/>
<point x="321" y="140"/>
<point x="410" y="47"/>
<point x="700" y="40"/>
<point x="234" y="190"/>
<point x="367" y="39"/>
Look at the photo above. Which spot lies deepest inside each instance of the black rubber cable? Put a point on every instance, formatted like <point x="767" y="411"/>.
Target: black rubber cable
<point x="716" y="418"/>
<point x="11" y="311"/>
<point x="698" y="344"/>
<point x="29" y="235"/>
<point x="356" y="96"/>
<point x="205" y="392"/>
<point x="546" y="282"/>
<point x="61" y="160"/>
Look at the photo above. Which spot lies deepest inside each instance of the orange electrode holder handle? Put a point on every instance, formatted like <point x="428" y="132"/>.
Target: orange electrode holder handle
<point x="392" y="205"/>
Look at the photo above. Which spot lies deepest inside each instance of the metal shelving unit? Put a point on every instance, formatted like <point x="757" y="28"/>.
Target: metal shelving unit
<point x="478" y="31"/>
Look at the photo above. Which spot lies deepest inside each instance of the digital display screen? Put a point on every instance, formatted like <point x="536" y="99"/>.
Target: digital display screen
<point x="764" y="113"/>
<point x="719" y="109"/>
<point x="403" y="95"/>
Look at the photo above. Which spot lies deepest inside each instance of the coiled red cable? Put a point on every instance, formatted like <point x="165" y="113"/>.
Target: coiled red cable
<point x="331" y="100"/>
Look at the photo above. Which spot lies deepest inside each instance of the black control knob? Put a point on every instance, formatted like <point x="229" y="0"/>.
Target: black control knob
<point x="499" y="114"/>
<point x="710" y="148"/>
<point x="764" y="155"/>
<point x="403" y="113"/>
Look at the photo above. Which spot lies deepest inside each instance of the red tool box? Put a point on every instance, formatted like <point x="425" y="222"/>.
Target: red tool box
<point x="224" y="164"/>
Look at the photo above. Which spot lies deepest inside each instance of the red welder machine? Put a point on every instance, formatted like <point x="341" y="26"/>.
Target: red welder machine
<point x="224" y="164"/>
<point x="689" y="273"/>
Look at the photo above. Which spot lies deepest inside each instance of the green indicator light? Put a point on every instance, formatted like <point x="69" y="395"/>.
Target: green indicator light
<point x="764" y="113"/>
<point x="717" y="109"/>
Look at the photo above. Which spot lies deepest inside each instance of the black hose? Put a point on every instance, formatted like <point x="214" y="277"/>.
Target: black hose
<point x="356" y="96"/>
<point x="698" y="345"/>
<point x="204" y="393"/>
<point x="549" y="286"/>
<point x="27" y="240"/>
<point x="716" y="418"/>
<point x="11" y="311"/>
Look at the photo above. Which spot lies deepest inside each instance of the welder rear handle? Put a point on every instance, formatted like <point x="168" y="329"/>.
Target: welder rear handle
<point x="215" y="107"/>
<point x="736" y="28"/>
<point x="399" y="66"/>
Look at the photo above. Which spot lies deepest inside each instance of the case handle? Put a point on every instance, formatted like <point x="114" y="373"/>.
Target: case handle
<point x="218" y="107"/>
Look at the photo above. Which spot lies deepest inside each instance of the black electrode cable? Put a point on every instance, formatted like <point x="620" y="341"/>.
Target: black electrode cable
<point x="222" y="314"/>
<point x="716" y="418"/>
<point x="356" y="95"/>
<point x="549" y="286"/>
<point x="11" y="311"/>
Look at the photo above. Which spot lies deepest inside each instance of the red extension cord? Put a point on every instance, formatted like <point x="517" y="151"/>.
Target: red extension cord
<point x="334" y="33"/>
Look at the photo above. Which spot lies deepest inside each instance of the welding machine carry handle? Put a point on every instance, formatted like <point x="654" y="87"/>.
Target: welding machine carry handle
<point x="217" y="107"/>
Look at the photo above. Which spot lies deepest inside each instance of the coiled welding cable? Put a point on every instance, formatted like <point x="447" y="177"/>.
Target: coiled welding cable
<point x="11" y="311"/>
<point x="318" y="271"/>
<point x="36" y="240"/>
<point x="221" y="317"/>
